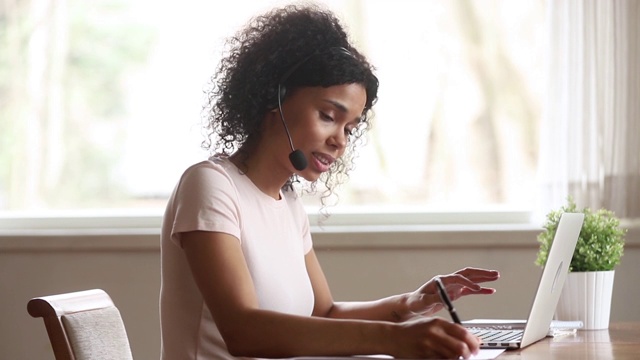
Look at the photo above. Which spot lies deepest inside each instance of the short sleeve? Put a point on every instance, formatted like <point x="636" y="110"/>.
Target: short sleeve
<point x="205" y="199"/>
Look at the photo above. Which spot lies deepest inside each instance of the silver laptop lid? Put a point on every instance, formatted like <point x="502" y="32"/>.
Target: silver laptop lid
<point x="552" y="279"/>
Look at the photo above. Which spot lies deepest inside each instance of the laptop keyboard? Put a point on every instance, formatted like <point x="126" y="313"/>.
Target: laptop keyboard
<point x="496" y="336"/>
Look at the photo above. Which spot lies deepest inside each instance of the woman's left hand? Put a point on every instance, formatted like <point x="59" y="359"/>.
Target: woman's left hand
<point x="426" y="300"/>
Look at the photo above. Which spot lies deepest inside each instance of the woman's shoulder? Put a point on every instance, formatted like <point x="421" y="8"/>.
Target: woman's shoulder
<point x="214" y="169"/>
<point x="212" y="164"/>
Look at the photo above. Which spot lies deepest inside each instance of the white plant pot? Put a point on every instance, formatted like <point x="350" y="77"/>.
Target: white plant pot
<point x="586" y="296"/>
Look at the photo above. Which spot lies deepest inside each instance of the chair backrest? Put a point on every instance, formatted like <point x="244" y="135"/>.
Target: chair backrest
<point x="83" y="325"/>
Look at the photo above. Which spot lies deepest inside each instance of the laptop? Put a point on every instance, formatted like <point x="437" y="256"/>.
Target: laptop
<point x="512" y="336"/>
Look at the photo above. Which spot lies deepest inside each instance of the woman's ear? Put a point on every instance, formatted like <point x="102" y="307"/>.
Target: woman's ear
<point x="271" y="119"/>
<point x="273" y="114"/>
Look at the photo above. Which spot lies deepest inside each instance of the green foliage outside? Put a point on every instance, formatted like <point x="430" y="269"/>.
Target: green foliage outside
<point x="600" y="245"/>
<point x="63" y="100"/>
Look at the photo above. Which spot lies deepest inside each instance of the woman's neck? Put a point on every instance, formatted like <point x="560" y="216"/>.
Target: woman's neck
<point x="262" y="172"/>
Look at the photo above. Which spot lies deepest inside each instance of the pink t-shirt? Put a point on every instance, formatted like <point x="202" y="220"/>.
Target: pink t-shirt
<point x="274" y="234"/>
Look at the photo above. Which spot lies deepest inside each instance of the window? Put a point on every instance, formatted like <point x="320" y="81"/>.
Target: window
<point x="100" y="101"/>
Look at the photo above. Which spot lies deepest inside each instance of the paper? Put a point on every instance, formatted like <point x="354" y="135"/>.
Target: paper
<point x="487" y="354"/>
<point x="558" y="324"/>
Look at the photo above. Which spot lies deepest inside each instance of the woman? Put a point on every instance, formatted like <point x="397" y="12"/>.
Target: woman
<point x="239" y="274"/>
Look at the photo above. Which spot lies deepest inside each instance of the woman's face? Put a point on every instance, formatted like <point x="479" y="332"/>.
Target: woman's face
<point x="320" y="120"/>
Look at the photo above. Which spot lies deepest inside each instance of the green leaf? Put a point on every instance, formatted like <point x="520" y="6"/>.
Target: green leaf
<point x="600" y="245"/>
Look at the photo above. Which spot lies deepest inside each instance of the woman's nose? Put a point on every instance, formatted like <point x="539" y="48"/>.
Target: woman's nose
<point x="339" y="139"/>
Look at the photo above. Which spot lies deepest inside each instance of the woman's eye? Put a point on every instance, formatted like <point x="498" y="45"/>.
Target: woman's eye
<point x="325" y="116"/>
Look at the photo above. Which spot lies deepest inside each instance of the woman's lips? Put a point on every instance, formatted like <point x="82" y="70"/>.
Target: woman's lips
<point x="322" y="162"/>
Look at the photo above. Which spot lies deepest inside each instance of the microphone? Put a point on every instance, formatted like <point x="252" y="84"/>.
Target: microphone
<point x="297" y="158"/>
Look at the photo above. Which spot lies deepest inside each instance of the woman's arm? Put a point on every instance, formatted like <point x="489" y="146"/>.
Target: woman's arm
<point x="402" y="307"/>
<point x="394" y="308"/>
<point x="221" y="273"/>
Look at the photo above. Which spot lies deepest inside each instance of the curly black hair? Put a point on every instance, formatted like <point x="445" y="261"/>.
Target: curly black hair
<point x="245" y="86"/>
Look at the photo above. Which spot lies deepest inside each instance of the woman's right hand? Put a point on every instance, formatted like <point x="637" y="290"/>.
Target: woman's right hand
<point x="430" y="338"/>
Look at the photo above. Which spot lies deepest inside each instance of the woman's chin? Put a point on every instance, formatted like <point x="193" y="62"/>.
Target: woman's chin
<point x="310" y="176"/>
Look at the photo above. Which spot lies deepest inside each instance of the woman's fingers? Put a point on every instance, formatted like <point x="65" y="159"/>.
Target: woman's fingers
<point x="438" y="338"/>
<point x="459" y="285"/>
<point x="479" y="275"/>
<point x="457" y="341"/>
<point x="471" y="341"/>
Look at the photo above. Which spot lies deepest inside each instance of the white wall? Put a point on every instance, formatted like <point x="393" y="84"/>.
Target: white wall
<point x="358" y="265"/>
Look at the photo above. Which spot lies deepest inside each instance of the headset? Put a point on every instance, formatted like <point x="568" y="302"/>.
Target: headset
<point x="297" y="158"/>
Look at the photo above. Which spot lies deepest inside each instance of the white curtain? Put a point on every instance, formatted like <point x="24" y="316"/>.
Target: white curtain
<point x="590" y="134"/>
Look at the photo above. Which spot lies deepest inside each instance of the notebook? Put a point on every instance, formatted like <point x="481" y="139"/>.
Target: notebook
<point x="508" y="335"/>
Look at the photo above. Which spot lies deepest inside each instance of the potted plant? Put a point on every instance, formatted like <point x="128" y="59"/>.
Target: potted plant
<point x="586" y="295"/>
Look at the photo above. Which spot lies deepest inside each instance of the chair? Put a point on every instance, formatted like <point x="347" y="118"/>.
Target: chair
<point x="82" y="325"/>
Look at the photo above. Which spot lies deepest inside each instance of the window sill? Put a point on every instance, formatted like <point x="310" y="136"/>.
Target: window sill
<point x="330" y="237"/>
<point x="141" y="233"/>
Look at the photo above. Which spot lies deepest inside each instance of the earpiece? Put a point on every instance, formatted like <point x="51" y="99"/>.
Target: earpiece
<point x="282" y="91"/>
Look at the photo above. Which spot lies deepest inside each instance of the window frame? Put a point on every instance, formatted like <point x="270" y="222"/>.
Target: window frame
<point x="360" y="219"/>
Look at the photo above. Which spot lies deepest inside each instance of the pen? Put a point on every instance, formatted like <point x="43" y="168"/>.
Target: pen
<point x="447" y="301"/>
